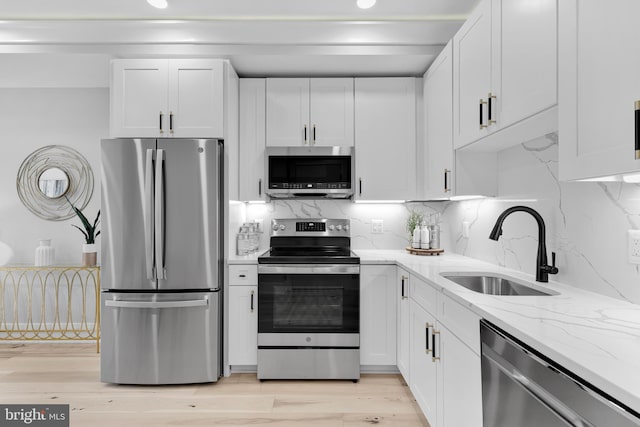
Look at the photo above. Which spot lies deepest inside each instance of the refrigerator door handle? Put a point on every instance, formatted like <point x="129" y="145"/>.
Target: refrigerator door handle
<point x="148" y="215"/>
<point x="159" y="215"/>
<point x="157" y="304"/>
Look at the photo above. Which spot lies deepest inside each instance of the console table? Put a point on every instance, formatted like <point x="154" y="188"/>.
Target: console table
<point x="50" y="303"/>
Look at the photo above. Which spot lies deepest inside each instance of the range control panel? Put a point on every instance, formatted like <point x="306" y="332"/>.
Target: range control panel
<point x="310" y="227"/>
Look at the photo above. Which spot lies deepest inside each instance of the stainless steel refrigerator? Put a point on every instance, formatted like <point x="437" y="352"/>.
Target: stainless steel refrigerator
<point x="162" y="254"/>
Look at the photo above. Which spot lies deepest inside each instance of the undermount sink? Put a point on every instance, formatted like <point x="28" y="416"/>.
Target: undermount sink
<point x="490" y="284"/>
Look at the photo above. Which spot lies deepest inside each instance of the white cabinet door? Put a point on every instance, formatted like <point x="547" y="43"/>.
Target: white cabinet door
<point x="526" y="60"/>
<point x="472" y="75"/>
<point x="231" y="128"/>
<point x="331" y="111"/>
<point x="378" y="315"/>
<point x="460" y="383"/>
<point x="599" y="83"/>
<point x="139" y="97"/>
<point x="252" y="139"/>
<point x="243" y="325"/>
<point x="438" y="110"/>
<point x="385" y="122"/>
<point x="288" y="112"/>
<point x="424" y="370"/>
<point x="403" y="332"/>
<point x="196" y="94"/>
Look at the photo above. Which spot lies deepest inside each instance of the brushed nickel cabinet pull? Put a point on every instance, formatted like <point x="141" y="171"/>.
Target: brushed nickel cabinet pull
<point x="491" y="97"/>
<point x="434" y="358"/>
<point x="260" y="187"/>
<point x="305" y="134"/>
<point x="314" y="134"/>
<point x="482" y="125"/>
<point x="427" y="325"/>
<point x="252" y="296"/>
<point x="360" y="189"/>
<point x="403" y="278"/>
<point x="171" y="122"/>
<point x="446" y="180"/>
<point x="637" y="130"/>
<point x="161" y="117"/>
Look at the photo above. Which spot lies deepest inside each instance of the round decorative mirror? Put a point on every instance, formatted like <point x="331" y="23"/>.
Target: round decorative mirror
<point x="53" y="177"/>
<point x="53" y="183"/>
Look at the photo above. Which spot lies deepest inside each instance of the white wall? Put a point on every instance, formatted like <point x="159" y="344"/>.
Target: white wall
<point x="33" y="118"/>
<point x="586" y="222"/>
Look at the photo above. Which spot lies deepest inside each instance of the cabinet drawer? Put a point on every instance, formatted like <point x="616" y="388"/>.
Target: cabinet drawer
<point x="243" y="275"/>
<point x="423" y="294"/>
<point x="464" y="323"/>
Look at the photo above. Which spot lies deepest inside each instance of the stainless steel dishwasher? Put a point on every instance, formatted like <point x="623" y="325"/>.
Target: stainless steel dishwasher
<point x="522" y="388"/>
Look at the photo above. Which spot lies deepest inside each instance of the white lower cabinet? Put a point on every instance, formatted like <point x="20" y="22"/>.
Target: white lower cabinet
<point x="445" y="375"/>
<point x="424" y="372"/>
<point x="378" y="315"/>
<point x="460" y="383"/>
<point x="243" y="315"/>
<point x="403" y="332"/>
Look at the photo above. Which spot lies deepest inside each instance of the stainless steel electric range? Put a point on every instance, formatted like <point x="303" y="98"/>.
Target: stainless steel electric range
<point x="309" y="302"/>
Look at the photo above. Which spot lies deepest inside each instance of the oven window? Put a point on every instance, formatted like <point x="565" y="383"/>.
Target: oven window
<point x="308" y="308"/>
<point x="308" y="303"/>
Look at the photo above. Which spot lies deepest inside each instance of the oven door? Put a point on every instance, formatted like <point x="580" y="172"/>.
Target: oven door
<point x="308" y="299"/>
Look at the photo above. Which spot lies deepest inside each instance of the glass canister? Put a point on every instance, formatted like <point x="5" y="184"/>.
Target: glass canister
<point x="45" y="253"/>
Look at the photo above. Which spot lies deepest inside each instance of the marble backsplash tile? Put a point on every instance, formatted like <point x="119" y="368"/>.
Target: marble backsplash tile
<point x="586" y="222"/>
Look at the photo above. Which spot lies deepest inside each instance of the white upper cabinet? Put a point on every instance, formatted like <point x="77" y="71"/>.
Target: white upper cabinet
<point x="472" y="76"/>
<point x="438" y="111"/>
<point x="450" y="172"/>
<point x="385" y="148"/>
<point x="505" y="73"/>
<point x="527" y="59"/>
<point x="252" y="139"/>
<point x="599" y="84"/>
<point x="181" y="98"/>
<point x="302" y="111"/>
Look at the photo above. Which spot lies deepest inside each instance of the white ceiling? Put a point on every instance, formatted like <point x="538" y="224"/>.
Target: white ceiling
<point x="260" y="37"/>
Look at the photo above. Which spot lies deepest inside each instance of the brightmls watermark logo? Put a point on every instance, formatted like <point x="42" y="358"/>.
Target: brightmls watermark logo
<point x="34" y="415"/>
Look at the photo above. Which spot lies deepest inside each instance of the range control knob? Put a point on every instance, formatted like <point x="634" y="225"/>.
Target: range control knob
<point x="339" y="227"/>
<point x="346" y="228"/>
<point x="275" y="227"/>
<point x="332" y="227"/>
<point x="283" y="227"/>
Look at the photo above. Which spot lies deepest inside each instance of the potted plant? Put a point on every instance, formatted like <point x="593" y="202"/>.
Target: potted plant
<point x="414" y="220"/>
<point x="90" y="232"/>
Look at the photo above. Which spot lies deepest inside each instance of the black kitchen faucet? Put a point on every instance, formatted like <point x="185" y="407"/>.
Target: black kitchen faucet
<point x="542" y="269"/>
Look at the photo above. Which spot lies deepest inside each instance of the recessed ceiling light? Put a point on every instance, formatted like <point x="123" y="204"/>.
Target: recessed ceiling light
<point x="160" y="4"/>
<point x="366" y="4"/>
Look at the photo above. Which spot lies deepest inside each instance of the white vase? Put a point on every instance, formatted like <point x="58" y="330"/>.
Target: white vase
<point x="89" y="254"/>
<point x="44" y="253"/>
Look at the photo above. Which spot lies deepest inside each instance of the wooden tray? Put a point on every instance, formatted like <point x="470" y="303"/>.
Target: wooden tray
<point x="415" y="251"/>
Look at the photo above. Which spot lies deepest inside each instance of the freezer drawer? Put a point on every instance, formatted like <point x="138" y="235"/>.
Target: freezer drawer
<point x="160" y="338"/>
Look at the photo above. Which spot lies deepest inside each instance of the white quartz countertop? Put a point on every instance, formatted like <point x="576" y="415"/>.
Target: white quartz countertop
<point x="594" y="336"/>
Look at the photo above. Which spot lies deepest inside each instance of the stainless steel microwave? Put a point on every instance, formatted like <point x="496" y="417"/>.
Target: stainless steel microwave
<point x="310" y="172"/>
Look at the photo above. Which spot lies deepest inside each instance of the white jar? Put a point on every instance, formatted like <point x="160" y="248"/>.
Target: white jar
<point x="424" y="237"/>
<point x="44" y="253"/>
<point x="415" y="240"/>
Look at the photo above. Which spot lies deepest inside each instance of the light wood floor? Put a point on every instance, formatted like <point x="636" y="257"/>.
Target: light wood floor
<point x="69" y="374"/>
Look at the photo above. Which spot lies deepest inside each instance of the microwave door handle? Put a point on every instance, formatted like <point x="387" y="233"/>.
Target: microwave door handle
<point x="160" y="215"/>
<point x="148" y="214"/>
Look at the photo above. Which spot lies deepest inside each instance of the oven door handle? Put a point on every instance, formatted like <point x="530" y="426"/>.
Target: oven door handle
<point x="309" y="269"/>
